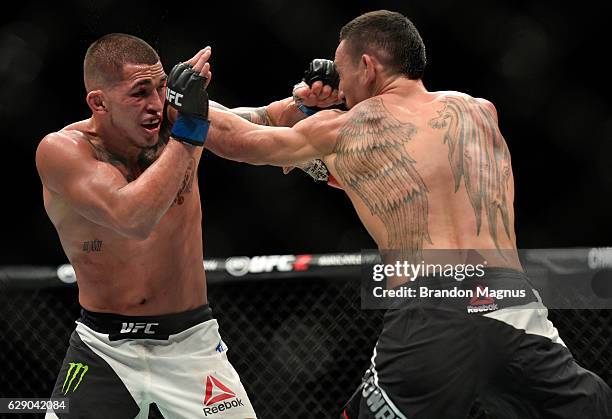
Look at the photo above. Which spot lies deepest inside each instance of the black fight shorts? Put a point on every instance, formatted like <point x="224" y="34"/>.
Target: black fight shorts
<point x="434" y="362"/>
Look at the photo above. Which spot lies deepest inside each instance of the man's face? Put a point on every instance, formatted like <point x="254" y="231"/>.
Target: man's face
<point x="352" y="86"/>
<point x="135" y="103"/>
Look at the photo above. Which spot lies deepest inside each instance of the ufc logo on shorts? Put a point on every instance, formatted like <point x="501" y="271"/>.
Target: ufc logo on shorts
<point x="135" y="327"/>
<point x="174" y="97"/>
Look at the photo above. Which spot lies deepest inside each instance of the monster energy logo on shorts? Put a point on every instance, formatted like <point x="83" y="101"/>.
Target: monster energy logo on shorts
<point x="76" y="370"/>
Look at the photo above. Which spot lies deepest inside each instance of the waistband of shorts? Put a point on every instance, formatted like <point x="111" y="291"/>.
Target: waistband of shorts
<point x="494" y="278"/>
<point x="119" y="326"/>
<point x="490" y="275"/>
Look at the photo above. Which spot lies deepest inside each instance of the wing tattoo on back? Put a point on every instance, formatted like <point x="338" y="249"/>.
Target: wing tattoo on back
<point x="371" y="159"/>
<point x="477" y="154"/>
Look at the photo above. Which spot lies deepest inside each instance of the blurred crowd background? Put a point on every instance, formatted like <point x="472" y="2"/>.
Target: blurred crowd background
<point x="541" y="63"/>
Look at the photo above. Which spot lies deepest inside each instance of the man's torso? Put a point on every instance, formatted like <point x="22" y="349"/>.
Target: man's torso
<point x="161" y="274"/>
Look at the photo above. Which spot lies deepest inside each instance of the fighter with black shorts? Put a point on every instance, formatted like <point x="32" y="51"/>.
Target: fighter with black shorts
<point x="424" y="171"/>
<point x="434" y="358"/>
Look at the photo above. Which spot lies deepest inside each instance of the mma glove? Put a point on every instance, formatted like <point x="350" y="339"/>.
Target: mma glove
<point x="322" y="70"/>
<point x="186" y="92"/>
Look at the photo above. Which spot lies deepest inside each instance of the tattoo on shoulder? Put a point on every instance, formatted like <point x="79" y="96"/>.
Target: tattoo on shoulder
<point x="478" y="154"/>
<point x="371" y="158"/>
<point x="92" y="246"/>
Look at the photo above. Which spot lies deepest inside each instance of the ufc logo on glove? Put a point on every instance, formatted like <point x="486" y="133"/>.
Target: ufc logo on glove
<point x="174" y="97"/>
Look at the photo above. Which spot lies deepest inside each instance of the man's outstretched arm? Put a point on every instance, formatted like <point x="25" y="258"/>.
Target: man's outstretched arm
<point x="237" y="139"/>
<point x="281" y="113"/>
<point x="286" y="112"/>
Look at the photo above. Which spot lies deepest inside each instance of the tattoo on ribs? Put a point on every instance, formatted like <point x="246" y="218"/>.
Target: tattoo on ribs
<point x="371" y="158"/>
<point x="92" y="246"/>
<point x="478" y="154"/>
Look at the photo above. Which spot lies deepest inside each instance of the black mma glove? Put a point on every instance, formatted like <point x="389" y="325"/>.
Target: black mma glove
<point x="325" y="71"/>
<point x="186" y="93"/>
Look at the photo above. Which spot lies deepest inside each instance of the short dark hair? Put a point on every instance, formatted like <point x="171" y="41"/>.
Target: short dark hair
<point x="106" y="57"/>
<point x="392" y="37"/>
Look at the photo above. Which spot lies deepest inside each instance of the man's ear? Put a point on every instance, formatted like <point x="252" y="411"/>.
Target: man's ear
<point x="369" y="68"/>
<point x="95" y="101"/>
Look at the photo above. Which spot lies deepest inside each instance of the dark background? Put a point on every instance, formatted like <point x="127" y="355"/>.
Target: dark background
<point x="542" y="64"/>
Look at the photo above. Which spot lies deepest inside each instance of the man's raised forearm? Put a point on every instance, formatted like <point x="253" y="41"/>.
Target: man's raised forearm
<point x="150" y="196"/>
<point x="142" y="203"/>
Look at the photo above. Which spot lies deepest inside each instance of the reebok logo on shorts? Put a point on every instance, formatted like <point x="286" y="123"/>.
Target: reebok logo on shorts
<point x="481" y="303"/>
<point x="217" y="394"/>
<point x="216" y="391"/>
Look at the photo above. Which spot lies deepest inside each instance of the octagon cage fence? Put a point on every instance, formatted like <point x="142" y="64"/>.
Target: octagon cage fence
<point x="297" y="334"/>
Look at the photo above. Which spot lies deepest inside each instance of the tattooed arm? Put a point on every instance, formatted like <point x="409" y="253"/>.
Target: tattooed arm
<point x="281" y="113"/>
<point x="285" y="112"/>
<point x="234" y="138"/>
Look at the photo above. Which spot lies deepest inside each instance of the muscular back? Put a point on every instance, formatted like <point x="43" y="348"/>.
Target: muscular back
<point x="156" y="274"/>
<point x="429" y="172"/>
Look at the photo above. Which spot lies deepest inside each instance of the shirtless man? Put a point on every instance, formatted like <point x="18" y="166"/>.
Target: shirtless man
<point x="122" y="192"/>
<point x="428" y="170"/>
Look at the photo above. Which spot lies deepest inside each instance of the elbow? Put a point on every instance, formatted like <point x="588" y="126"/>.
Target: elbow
<point x="138" y="233"/>
<point x="135" y="229"/>
<point x="134" y="221"/>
